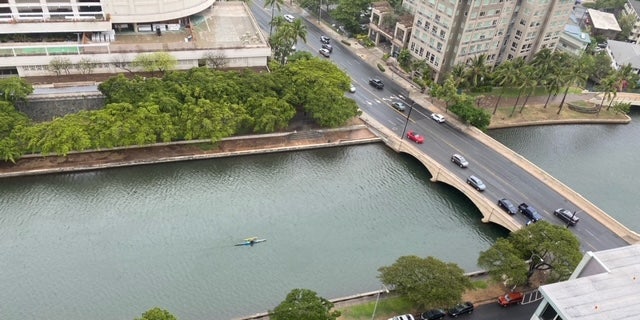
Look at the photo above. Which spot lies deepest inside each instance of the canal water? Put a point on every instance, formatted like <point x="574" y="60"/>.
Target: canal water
<point x="111" y="244"/>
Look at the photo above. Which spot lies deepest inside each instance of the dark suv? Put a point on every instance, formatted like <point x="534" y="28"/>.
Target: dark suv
<point x="529" y="212"/>
<point x="376" y="83"/>
<point x="460" y="309"/>
<point x="327" y="46"/>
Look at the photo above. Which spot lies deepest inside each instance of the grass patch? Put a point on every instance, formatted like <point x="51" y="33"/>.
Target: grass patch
<point x="387" y="307"/>
<point x="479" y="284"/>
<point x="514" y="92"/>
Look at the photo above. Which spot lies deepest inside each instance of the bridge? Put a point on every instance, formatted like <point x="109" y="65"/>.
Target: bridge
<point x="488" y="207"/>
<point x="621" y="97"/>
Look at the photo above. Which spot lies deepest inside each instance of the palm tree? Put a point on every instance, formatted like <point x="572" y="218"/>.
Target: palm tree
<point x="518" y="79"/>
<point x="477" y="70"/>
<point x="458" y="73"/>
<point x="285" y="38"/>
<point x="574" y="74"/>
<point x="530" y="81"/>
<point x="608" y="86"/>
<point x="552" y="83"/>
<point x="503" y="77"/>
<point x="272" y="3"/>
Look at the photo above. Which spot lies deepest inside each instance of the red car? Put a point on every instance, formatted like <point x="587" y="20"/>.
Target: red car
<point x="415" y="137"/>
<point x="510" y="298"/>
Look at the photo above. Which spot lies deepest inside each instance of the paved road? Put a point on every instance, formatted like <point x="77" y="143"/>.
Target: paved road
<point x="502" y="177"/>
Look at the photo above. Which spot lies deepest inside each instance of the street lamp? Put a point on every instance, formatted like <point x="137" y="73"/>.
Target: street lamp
<point x="407" y="122"/>
<point x="386" y="290"/>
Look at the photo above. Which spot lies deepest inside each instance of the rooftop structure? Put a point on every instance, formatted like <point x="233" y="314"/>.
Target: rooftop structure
<point x="110" y="42"/>
<point x="623" y="53"/>
<point x="602" y="23"/>
<point x="605" y="285"/>
<point x="573" y="40"/>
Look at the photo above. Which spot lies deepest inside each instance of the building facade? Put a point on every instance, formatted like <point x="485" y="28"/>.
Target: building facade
<point x="110" y="33"/>
<point x="632" y="7"/>
<point x="448" y="32"/>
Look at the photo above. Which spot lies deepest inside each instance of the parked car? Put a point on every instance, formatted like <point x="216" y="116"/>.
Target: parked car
<point x="415" y="137"/>
<point x="289" y="17"/>
<point x="459" y="160"/>
<point x="376" y="83"/>
<point x="460" y="309"/>
<point x="325" y="39"/>
<point x="567" y="216"/>
<point x="437" y="117"/>
<point x="510" y="298"/>
<point x="529" y="212"/>
<point x="328" y="47"/>
<point x="507" y="206"/>
<point x="399" y="106"/>
<point x="403" y="317"/>
<point x="325" y="53"/>
<point x="433" y="314"/>
<point x="352" y="88"/>
<point x="476" y="183"/>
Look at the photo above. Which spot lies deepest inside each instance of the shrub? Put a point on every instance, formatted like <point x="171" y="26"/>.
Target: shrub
<point x="386" y="56"/>
<point x="345" y="42"/>
<point x="381" y="67"/>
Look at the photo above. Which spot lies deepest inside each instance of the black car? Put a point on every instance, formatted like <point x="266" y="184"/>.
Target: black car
<point x="461" y="308"/>
<point x="529" y="212"/>
<point x="507" y="206"/>
<point x="399" y="106"/>
<point x="327" y="46"/>
<point x="376" y="83"/>
<point x="567" y="216"/>
<point x="433" y="314"/>
<point x="325" y="39"/>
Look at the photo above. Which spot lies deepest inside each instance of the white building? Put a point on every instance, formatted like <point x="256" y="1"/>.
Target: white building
<point x="632" y="7"/>
<point x="111" y="33"/>
<point x="605" y="285"/>
<point x="447" y="32"/>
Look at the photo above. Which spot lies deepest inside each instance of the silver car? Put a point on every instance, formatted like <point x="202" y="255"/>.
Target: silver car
<point x="476" y="183"/>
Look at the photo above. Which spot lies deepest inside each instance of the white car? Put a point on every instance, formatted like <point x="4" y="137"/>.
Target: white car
<point x="325" y="52"/>
<point x="403" y="317"/>
<point x="289" y="17"/>
<point x="437" y="117"/>
<point x="352" y="88"/>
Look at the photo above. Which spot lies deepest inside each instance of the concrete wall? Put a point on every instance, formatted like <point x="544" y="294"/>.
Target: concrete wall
<point x="45" y="109"/>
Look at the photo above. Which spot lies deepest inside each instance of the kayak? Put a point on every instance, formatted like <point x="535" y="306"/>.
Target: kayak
<point x="248" y="242"/>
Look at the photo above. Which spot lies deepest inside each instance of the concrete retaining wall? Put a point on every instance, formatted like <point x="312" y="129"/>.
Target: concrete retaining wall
<point x="41" y="109"/>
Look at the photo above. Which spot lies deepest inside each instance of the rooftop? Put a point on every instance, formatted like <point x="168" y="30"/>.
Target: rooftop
<point x="635" y="4"/>
<point x="607" y="287"/>
<point x="575" y="32"/>
<point x="625" y="53"/>
<point x="603" y="20"/>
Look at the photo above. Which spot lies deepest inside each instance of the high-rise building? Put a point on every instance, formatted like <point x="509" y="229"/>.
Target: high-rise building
<point x="448" y="32"/>
<point x="109" y="34"/>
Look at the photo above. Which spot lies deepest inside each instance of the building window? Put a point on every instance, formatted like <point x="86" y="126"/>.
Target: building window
<point x="482" y="13"/>
<point x="522" y="22"/>
<point x="421" y="52"/>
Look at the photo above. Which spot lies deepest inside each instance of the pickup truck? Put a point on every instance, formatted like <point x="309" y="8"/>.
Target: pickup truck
<point x="529" y="212"/>
<point x="510" y="298"/>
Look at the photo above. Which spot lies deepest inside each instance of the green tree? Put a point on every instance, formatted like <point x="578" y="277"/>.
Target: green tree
<point x="427" y="282"/>
<point x="477" y="70"/>
<point x="59" y="64"/>
<point x="539" y="247"/>
<point x="608" y="86"/>
<point x="504" y="76"/>
<point x="459" y="73"/>
<point x="285" y="38"/>
<point x="404" y="58"/>
<point x="530" y="83"/>
<point x="304" y="304"/>
<point x="10" y="119"/>
<point x="157" y="314"/>
<point x="348" y="12"/>
<point x="519" y="78"/>
<point x="157" y="61"/>
<point x="14" y="89"/>
<point x="273" y="4"/>
<point x="574" y="74"/>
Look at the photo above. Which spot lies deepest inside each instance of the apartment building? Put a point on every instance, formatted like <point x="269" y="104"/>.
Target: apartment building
<point x="632" y="7"/>
<point x="448" y="32"/>
<point x="110" y="34"/>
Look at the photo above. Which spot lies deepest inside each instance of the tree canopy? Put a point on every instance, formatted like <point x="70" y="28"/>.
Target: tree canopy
<point x="427" y="282"/>
<point x="157" y="314"/>
<point x="540" y="247"/>
<point x="304" y="304"/>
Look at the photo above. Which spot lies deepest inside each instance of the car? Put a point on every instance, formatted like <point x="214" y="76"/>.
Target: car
<point x="459" y="160"/>
<point x="529" y="212"/>
<point x="460" y="309"/>
<point x="325" y="39"/>
<point x="476" y="183"/>
<point x="352" y="88"/>
<point x="567" y="216"/>
<point x="507" y="206"/>
<point x="328" y="47"/>
<point x="415" y="137"/>
<point x="433" y="314"/>
<point x="399" y="106"/>
<point x="288" y="17"/>
<point x="325" y="53"/>
<point x="376" y="83"/>
<point x="510" y="298"/>
<point x="437" y="117"/>
<point x="403" y="317"/>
